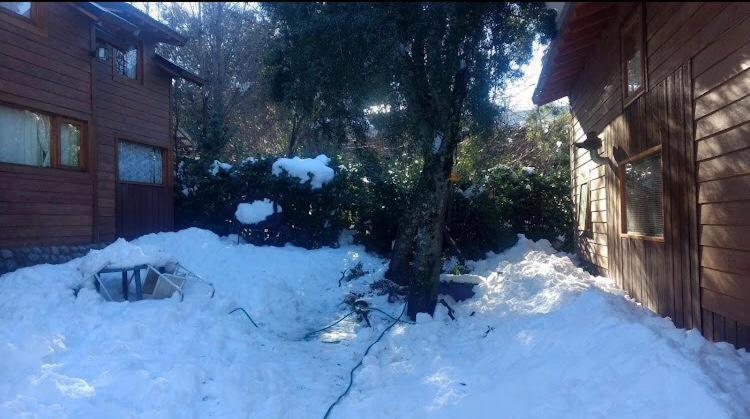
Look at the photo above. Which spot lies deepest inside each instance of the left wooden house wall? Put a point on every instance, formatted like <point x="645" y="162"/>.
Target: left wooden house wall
<point x="46" y="67"/>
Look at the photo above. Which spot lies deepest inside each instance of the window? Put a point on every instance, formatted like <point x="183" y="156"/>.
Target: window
<point x="583" y="207"/>
<point x="642" y="197"/>
<point x="139" y="163"/>
<point x="70" y="144"/>
<point x="633" y="56"/>
<point x="22" y="8"/>
<point x="126" y="63"/>
<point x="36" y="139"/>
<point x="24" y="137"/>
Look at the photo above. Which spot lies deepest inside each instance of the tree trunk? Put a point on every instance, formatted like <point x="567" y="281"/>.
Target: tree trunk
<point x="428" y="242"/>
<point x="399" y="269"/>
<point x="292" y="143"/>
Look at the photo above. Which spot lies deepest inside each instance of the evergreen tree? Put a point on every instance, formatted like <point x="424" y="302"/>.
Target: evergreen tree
<point x="429" y="68"/>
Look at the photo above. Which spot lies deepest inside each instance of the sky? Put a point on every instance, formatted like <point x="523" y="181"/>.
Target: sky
<point x="520" y="91"/>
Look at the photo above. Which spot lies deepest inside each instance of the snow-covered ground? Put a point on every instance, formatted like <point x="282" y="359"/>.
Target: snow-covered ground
<point x="541" y="339"/>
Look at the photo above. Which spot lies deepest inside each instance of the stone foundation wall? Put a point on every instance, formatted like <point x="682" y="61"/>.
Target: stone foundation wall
<point x="19" y="257"/>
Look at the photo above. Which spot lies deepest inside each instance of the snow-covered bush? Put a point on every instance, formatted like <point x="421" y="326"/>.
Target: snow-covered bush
<point x="369" y="199"/>
<point x="312" y="212"/>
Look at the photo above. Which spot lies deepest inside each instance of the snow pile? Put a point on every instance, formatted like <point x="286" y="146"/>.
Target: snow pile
<point x="122" y="254"/>
<point x="218" y="166"/>
<point x="314" y="170"/>
<point x="254" y="212"/>
<point x="541" y="338"/>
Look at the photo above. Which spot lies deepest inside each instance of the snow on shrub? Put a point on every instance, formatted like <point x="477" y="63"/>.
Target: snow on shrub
<point x="314" y="170"/>
<point x="368" y="198"/>
<point x="218" y="166"/>
<point x="254" y="212"/>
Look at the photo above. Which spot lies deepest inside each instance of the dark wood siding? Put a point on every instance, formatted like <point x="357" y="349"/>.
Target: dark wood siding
<point x="662" y="274"/>
<point x="136" y="111"/>
<point x="46" y="68"/>
<point x="698" y="107"/>
<point x="143" y="209"/>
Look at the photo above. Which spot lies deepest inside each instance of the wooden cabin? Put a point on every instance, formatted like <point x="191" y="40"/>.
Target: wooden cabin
<point x="86" y="138"/>
<point x="660" y="153"/>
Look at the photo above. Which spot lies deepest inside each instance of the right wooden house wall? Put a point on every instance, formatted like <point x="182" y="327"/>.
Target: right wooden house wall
<point x="698" y="107"/>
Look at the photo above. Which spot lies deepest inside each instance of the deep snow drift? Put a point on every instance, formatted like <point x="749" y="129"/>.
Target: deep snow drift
<point x="541" y="339"/>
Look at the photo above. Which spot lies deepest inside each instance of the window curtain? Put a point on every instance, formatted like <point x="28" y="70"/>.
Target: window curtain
<point x="24" y="137"/>
<point x="139" y="163"/>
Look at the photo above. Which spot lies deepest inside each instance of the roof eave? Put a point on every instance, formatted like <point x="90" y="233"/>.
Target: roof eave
<point x="177" y="71"/>
<point x="580" y="27"/>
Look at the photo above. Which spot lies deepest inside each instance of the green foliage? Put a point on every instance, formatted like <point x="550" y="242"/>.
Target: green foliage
<point x="541" y="139"/>
<point x="488" y="213"/>
<point x="377" y="194"/>
<point x="368" y="198"/>
<point x="427" y="64"/>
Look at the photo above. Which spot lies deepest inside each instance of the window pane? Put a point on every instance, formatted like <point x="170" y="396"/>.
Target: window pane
<point x="23" y="8"/>
<point x="127" y="63"/>
<point x="583" y="206"/>
<point x="643" y="196"/>
<point x="24" y="137"/>
<point x="635" y="73"/>
<point x="139" y="163"/>
<point x="632" y="46"/>
<point x="70" y="145"/>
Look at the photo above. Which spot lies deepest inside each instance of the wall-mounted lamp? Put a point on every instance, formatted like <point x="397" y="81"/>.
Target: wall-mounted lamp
<point x="593" y="143"/>
<point x="101" y="53"/>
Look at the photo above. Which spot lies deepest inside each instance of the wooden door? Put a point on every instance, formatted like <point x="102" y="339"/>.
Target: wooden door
<point x="661" y="272"/>
<point x="144" y="196"/>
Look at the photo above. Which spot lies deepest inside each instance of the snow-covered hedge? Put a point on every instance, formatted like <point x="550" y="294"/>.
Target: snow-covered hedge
<point x="239" y="199"/>
<point x="321" y="197"/>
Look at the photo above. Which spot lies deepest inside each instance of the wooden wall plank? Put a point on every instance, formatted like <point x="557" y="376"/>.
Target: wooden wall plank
<point x="735" y="213"/>
<point x="727" y="260"/>
<point x="724" y="190"/>
<point x="726" y="283"/>
<point x="727" y="306"/>
<point x="731" y="140"/>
